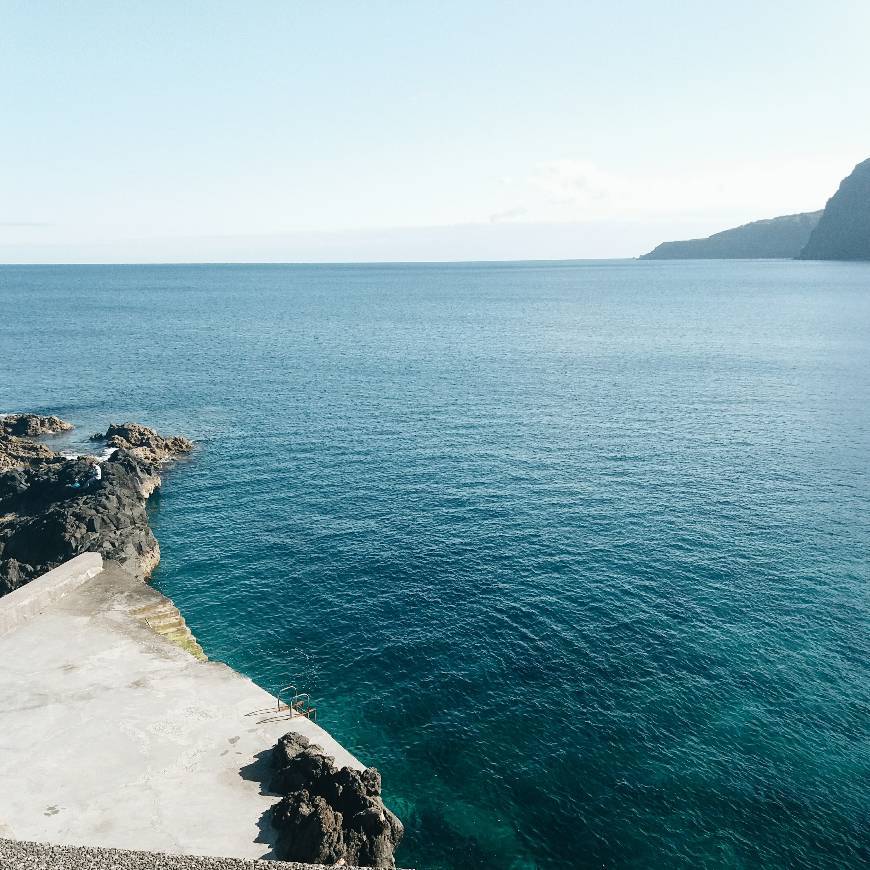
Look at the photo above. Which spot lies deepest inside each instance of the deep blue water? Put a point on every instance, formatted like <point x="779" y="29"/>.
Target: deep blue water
<point x="575" y="553"/>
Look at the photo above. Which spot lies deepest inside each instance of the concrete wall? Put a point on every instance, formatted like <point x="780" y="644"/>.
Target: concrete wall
<point x="31" y="599"/>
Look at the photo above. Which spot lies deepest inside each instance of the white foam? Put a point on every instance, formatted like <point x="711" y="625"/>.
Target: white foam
<point x="102" y="456"/>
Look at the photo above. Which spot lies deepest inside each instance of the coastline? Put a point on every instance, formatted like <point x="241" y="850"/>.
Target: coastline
<point x="54" y="507"/>
<point x="102" y="622"/>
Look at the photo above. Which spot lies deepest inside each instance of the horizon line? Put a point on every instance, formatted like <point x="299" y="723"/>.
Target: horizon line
<point x="335" y="262"/>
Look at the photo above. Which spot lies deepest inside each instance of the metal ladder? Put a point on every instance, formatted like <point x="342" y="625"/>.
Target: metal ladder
<point x="298" y="705"/>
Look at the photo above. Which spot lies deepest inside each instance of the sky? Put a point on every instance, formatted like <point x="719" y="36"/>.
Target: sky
<point x="409" y="130"/>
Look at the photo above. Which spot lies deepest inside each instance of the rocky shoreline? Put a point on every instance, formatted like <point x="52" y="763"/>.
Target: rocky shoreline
<point x="53" y="508"/>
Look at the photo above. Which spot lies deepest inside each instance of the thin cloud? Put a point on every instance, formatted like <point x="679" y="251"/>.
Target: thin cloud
<point x="508" y="214"/>
<point x="572" y="189"/>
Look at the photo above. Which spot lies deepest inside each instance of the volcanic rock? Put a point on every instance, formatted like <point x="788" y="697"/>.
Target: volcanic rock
<point x="16" y="452"/>
<point x="329" y="815"/>
<point x="144" y="443"/>
<point x="53" y="508"/>
<point x="32" y="425"/>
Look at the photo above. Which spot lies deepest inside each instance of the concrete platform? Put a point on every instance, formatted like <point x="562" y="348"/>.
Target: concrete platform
<point x="113" y="736"/>
<point x="22" y="604"/>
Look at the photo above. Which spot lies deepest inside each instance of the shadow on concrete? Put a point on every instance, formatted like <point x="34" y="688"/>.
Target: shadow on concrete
<point x="260" y="771"/>
<point x="267" y="835"/>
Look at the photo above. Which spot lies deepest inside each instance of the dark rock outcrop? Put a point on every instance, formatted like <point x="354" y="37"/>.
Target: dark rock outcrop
<point x="144" y="443"/>
<point x="16" y="430"/>
<point x="329" y="815"/>
<point x="15" y="452"/>
<point x="843" y="233"/>
<point x="32" y="425"/>
<point x="53" y="508"/>
<point x="776" y="238"/>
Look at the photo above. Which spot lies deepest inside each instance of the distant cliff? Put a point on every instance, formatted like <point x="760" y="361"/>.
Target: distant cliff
<point x="843" y="233"/>
<point x="780" y="237"/>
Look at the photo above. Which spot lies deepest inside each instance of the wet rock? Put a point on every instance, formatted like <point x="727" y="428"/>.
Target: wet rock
<point x="329" y="815"/>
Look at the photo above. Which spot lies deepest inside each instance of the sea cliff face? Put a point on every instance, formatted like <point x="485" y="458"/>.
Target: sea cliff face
<point x="843" y="233"/>
<point x="53" y="508"/>
<point x="776" y="238"/>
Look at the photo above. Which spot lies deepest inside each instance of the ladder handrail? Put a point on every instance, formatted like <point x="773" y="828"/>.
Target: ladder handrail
<point x="300" y="703"/>
<point x="281" y="692"/>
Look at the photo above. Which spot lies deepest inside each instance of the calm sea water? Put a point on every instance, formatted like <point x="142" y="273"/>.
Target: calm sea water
<point x="575" y="553"/>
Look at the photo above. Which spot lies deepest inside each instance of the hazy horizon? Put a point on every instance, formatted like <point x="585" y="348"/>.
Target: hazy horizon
<point x="447" y="244"/>
<point x="285" y="133"/>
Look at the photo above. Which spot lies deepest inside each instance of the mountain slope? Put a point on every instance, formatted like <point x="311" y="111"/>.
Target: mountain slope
<point x="780" y="237"/>
<point x="843" y="233"/>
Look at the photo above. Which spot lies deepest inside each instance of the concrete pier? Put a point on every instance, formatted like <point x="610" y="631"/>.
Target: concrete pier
<point x="114" y="735"/>
<point x="31" y="599"/>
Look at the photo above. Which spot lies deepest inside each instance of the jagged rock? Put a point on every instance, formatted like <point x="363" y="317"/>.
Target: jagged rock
<point x="53" y="508"/>
<point x="144" y="443"/>
<point x="311" y="831"/>
<point x="298" y="763"/>
<point x="329" y="815"/>
<point x="16" y="452"/>
<point x="32" y="425"/>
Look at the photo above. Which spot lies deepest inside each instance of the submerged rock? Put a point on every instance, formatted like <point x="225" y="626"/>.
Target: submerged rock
<point x="329" y="815"/>
<point x="53" y="508"/>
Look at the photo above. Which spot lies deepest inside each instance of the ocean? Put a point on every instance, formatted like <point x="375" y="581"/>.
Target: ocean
<point x="576" y="553"/>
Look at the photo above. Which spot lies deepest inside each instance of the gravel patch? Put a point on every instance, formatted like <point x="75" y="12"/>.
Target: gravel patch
<point x="22" y="855"/>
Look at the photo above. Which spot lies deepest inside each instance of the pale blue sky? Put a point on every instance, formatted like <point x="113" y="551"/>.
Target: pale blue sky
<point x="304" y="131"/>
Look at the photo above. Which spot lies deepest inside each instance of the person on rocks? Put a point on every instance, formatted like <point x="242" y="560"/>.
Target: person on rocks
<point x="94" y="478"/>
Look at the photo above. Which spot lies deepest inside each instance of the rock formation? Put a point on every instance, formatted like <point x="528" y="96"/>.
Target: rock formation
<point x="327" y="815"/>
<point x="31" y="425"/>
<point x="843" y="233"/>
<point x="144" y="443"/>
<point x="776" y="238"/>
<point x="15" y="452"/>
<point x="16" y="430"/>
<point x="53" y="508"/>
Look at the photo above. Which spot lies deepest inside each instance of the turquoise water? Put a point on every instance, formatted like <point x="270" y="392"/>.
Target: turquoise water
<point x="575" y="553"/>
